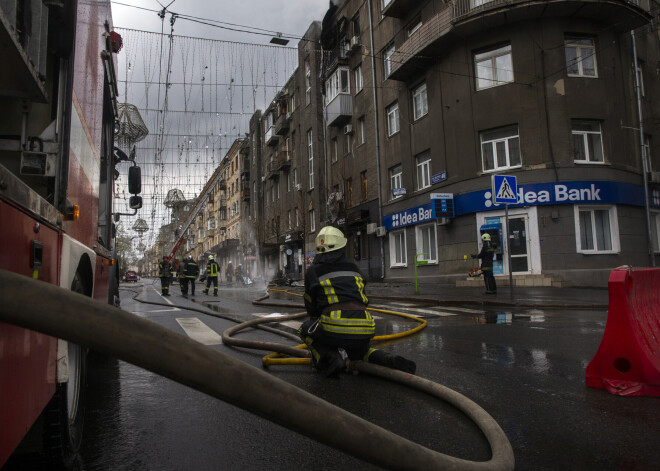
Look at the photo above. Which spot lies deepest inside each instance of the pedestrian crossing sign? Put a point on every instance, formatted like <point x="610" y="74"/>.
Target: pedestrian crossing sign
<point x="505" y="189"/>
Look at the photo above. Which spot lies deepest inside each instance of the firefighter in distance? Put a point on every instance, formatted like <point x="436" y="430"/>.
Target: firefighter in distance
<point x="486" y="255"/>
<point x="340" y="328"/>
<point x="191" y="271"/>
<point x="212" y="270"/>
<point x="165" y="274"/>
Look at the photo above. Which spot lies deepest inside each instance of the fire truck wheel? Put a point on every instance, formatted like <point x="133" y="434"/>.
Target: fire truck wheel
<point x="66" y="411"/>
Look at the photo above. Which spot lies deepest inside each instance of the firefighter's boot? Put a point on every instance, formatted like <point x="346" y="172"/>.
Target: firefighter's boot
<point x="379" y="357"/>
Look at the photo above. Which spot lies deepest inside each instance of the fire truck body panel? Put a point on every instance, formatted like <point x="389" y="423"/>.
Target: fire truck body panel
<point x="38" y="237"/>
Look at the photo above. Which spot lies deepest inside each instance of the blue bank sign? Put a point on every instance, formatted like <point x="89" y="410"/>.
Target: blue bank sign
<point x="409" y="217"/>
<point x="579" y="192"/>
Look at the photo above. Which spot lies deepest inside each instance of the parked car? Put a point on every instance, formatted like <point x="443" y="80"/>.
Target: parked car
<point x="130" y="276"/>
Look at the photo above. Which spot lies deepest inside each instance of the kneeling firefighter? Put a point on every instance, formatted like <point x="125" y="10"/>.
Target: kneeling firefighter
<point x="336" y="303"/>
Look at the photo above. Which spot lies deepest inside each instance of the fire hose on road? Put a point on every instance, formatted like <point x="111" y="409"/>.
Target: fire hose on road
<point x="46" y="308"/>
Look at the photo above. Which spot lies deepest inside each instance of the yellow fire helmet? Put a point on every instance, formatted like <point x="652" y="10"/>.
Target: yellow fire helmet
<point x="211" y="257"/>
<point x="330" y="238"/>
<point x="485" y="237"/>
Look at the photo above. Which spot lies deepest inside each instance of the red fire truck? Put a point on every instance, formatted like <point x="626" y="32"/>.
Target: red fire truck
<point x="58" y="164"/>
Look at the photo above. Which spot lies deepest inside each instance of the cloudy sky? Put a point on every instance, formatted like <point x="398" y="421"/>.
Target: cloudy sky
<point x="290" y="17"/>
<point x="196" y="95"/>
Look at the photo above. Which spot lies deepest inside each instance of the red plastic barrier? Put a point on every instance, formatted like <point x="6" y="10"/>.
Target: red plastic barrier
<point x="627" y="362"/>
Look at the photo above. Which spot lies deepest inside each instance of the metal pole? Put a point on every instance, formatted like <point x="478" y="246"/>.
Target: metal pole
<point x="508" y="252"/>
<point x="649" y="233"/>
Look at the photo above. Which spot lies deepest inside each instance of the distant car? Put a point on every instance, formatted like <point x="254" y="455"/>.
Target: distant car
<point x="130" y="276"/>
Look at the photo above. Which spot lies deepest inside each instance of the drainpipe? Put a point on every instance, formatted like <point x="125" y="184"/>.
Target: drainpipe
<point x="643" y="152"/>
<point x="376" y="126"/>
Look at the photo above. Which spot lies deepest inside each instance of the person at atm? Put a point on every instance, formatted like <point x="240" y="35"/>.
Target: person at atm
<point x="486" y="255"/>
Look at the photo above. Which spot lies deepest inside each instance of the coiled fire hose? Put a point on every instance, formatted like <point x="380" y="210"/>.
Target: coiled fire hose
<point x="51" y="310"/>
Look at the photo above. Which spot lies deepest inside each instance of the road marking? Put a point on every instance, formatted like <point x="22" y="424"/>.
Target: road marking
<point x="416" y="312"/>
<point x="197" y="330"/>
<point x="293" y="324"/>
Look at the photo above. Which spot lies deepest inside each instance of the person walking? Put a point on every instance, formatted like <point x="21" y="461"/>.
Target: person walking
<point x="340" y="328"/>
<point x="191" y="271"/>
<point x="212" y="269"/>
<point x="486" y="255"/>
<point x="165" y="274"/>
<point x="239" y="274"/>
<point x="229" y="273"/>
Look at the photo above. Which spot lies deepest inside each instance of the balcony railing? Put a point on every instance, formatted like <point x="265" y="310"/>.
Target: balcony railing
<point x="283" y="160"/>
<point x="222" y="203"/>
<point x="271" y="137"/>
<point x="456" y="21"/>
<point x="340" y="110"/>
<point x="282" y="125"/>
<point x="399" y="8"/>
<point x="336" y="57"/>
<point x="245" y="194"/>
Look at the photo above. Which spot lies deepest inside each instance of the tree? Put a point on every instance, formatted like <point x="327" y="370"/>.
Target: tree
<point x="124" y="248"/>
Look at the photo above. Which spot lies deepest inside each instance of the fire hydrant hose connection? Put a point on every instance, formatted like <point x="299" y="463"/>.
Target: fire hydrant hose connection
<point x="76" y="318"/>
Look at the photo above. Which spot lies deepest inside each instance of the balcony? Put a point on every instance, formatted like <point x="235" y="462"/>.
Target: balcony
<point x="222" y="203"/>
<point x="245" y="148"/>
<point x="336" y="57"/>
<point x="464" y="18"/>
<point x="282" y="125"/>
<point x="399" y="8"/>
<point x="283" y="160"/>
<point x="272" y="170"/>
<point x="271" y="138"/>
<point x="222" y="185"/>
<point x="340" y="110"/>
<point x="245" y="194"/>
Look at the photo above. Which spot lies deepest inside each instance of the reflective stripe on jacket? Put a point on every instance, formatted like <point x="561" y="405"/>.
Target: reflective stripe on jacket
<point x="192" y="270"/>
<point x="353" y="323"/>
<point x="212" y="269"/>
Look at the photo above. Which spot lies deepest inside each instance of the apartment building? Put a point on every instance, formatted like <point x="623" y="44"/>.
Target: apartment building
<point x="462" y="90"/>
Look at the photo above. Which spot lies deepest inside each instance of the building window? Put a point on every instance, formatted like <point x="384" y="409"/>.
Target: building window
<point x="427" y="242"/>
<point x="337" y="84"/>
<point x="348" y="144"/>
<point x="312" y="222"/>
<point x="500" y="148"/>
<point x="580" y="57"/>
<point x="288" y="182"/>
<point x="640" y="78"/>
<point x="333" y="150"/>
<point x="587" y="141"/>
<point x="420" y="102"/>
<point x="349" y="192"/>
<point x="359" y="84"/>
<point x="308" y="83"/>
<point x="423" y="171"/>
<point x="493" y="67"/>
<point x="596" y="228"/>
<point x="392" y="119"/>
<point x="414" y="26"/>
<point x="362" y="132"/>
<point x="395" y="181"/>
<point x="295" y="176"/>
<point x="647" y="152"/>
<point x="310" y="156"/>
<point x="292" y="102"/>
<point x="297" y="217"/>
<point x="288" y="215"/>
<point x="398" y="256"/>
<point x="364" y="186"/>
<point x="387" y="60"/>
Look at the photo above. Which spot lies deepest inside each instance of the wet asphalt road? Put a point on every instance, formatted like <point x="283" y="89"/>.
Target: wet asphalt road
<point x="524" y="367"/>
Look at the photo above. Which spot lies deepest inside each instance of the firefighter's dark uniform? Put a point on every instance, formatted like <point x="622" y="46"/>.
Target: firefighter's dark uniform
<point x="336" y="303"/>
<point x="486" y="256"/>
<point x="165" y="274"/>
<point x="212" y="270"/>
<point x="191" y="271"/>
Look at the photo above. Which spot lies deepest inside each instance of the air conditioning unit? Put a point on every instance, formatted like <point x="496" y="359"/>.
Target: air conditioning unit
<point x="348" y="129"/>
<point x="298" y="187"/>
<point x="355" y="42"/>
<point x="443" y="221"/>
<point x="371" y="228"/>
<point x="654" y="177"/>
<point x="380" y="231"/>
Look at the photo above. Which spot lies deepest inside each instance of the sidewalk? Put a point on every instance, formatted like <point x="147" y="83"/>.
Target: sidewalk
<point x="522" y="296"/>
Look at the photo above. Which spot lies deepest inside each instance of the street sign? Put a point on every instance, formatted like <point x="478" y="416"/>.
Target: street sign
<point x="443" y="205"/>
<point x="505" y="189"/>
